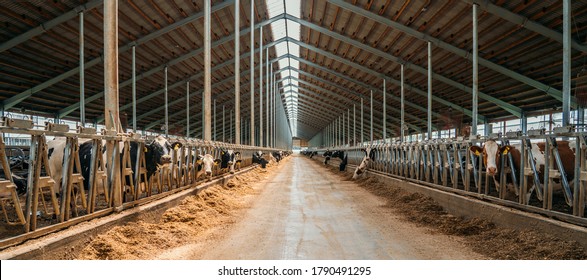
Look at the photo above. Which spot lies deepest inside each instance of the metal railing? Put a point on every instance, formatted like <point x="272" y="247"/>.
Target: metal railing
<point x="47" y="203"/>
<point x="544" y="186"/>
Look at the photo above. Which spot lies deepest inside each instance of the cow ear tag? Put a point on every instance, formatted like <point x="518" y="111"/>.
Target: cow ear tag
<point x="506" y="150"/>
<point x="146" y="149"/>
<point x="199" y="161"/>
<point x="477" y="153"/>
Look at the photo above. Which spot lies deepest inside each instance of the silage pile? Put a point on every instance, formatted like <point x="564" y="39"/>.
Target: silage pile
<point x="178" y="226"/>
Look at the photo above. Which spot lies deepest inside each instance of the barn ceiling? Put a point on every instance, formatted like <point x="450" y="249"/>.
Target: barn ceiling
<point x="328" y="55"/>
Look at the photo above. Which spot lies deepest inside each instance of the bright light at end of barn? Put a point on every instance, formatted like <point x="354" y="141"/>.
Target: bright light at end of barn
<point x="282" y="29"/>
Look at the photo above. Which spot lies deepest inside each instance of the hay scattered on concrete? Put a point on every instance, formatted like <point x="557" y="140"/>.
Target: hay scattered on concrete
<point x="179" y="225"/>
<point x="481" y="235"/>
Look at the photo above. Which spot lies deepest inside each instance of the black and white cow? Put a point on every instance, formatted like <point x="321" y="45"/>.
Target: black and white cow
<point x="19" y="182"/>
<point x="158" y="154"/>
<point x="230" y="160"/>
<point x="327" y="156"/>
<point x="258" y="158"/>
<point x="361" y="170"/>
<point x="277" y="155"/>
<point x="342" y="155"/>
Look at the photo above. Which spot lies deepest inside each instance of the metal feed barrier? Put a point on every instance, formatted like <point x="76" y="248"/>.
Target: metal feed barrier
<point x="42" y="209"/>
<point x="450" y="165"/>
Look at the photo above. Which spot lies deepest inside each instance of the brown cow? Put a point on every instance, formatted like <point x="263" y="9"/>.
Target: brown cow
<point x="492" y="153"/>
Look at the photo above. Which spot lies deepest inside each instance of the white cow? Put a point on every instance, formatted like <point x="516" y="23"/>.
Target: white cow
<point x="205" y="165"/>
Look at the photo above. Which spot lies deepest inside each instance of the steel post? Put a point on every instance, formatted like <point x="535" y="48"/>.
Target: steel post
<point x="261" y="86"/>
<point x="252" y="66"/>
<point x="354" y="124"/>
<point x="475" y="92"/>
<point x="166" y="106"/>
<point x="111" y="111"/>
<point x="267" y="111"/>
<point x="237" y="76"/>
<point x="187" y="101"/>
<point x="371" y="111"/>
<point x="134" y="89"/>
<point x="384" y="114"/>
<point x="214" y="113"/>
<point x="402" y="108"/>
<point x="207" y="133"/>
<point x="566" y="62"/>
<point x="362" y="123"/>
<point x="429" y="90"/>
<point x="82" y="109"/>
<point x="348" y="122"/>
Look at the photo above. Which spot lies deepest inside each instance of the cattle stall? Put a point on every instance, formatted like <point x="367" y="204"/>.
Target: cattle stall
<point x="540" y="185"/>
<point x="29" y="183"/>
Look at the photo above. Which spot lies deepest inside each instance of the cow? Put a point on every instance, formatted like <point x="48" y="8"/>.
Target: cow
<point x="258" y="158"/>
<point x="277" y="155"/>
<point x="158" y="154"/>
<point x="229" y="160"/>
<point x="205" y="164"/>
<point x="327" y="156"/>
<point x="361" y="170"/>
<point x="492" y="153"/>
<point x="19" y="182"/>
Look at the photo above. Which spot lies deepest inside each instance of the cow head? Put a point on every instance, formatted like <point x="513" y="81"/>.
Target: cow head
<point x="161" y="151"/>
<point x="362" y="168"/>
<point x="206" y="163"/>
<point x="258" y="158"/>
<point x="491" y="155"/>
<point x="230" y="160"/>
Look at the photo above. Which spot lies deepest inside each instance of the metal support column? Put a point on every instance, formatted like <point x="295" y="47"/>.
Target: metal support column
<point x="252" y="71"/>
<point x="187" y="101"/>
<point x="82" y="109"/>
<point x="524" y="123"/>
<point x="223" y="124"/>
<point x="268" y="112"/>
<point x="166" y="107"/>
<point x="348" y="122"/>
<point x="214" y="113"/>
<point x="384" y="114"/>
<point x="362" y="123"/>
<point x="237" y="76"/>
<point x="354" y="124"/>
<point x="475" y="122"/>
<point x="342" y="128"/>
<point x="207" y="133"/>
<point x="261" y="86"/>
<point x="566" y="62"/>
<point x="429" y="90"/>
<point x="134" y="89"/>
<point x="371" y="111"/>
<point x="111" y="109"/>
<point x="402" y="108"/>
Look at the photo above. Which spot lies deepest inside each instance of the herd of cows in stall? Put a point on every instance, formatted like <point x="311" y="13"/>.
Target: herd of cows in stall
<point x="78" y="166"/>
<point x="546" y="172"/>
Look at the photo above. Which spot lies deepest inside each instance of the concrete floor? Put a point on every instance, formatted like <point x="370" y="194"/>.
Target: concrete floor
<point x="306" y="212"/>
